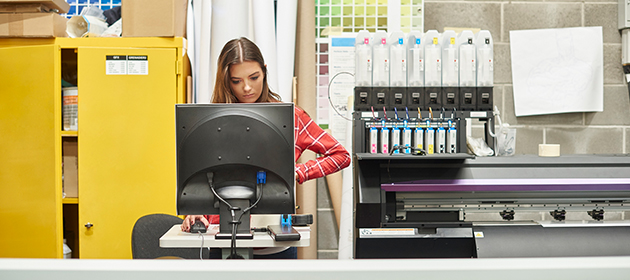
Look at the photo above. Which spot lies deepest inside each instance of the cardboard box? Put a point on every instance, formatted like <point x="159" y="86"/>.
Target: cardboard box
<point x="32" y="25"/>
<point x="70" y="176"/>
<point x="153" y="18"/>
<point x="70" y="147"/>
<point x="70" y="151"/>
<point x="61" y="5"/>
<point x="23" y="8"/>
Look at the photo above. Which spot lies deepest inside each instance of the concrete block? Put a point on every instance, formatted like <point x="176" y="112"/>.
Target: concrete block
<point x="615" y="107"/>
<point x="502" y="63"/>
<point x="520" y="16"/>
<point x="485" y="15"/>
<point x="586" y="140"/>
<point x="604" y="15"/>
<point x="613" y="72"/>
<point x="527" y="140"/>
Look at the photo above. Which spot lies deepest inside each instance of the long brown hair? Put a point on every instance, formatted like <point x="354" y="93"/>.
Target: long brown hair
<point x="234" y="52"/>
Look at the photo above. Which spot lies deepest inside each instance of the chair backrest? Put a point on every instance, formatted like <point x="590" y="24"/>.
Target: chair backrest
<point x="145" y="238"/>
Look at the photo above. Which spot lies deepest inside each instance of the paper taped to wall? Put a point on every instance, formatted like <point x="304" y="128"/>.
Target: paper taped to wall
<point x="557" y="70"/>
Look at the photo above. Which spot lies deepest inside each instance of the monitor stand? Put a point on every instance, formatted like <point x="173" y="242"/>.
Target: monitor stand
<point x="225" y="224"/>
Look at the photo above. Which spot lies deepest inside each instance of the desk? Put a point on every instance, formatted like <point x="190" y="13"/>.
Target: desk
<point x="175" y="238"/>
<point x="609" y="268"/>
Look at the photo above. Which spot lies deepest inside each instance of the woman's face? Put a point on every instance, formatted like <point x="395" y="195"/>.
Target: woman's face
<point x="246" y="81"/>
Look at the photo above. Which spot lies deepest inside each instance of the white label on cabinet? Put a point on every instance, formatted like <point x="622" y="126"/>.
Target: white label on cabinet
<point x="116" y="65"/>
<point x="138" y="65"/>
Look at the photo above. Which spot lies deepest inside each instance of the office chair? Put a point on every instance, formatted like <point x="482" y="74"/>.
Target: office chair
<point x="145" y="239"/>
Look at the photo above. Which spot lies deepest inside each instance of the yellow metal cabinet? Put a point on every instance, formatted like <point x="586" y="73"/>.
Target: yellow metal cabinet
<point x="126" y="143"/>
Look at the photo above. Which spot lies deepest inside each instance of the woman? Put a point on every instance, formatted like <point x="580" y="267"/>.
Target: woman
<point x="242" y="78"/>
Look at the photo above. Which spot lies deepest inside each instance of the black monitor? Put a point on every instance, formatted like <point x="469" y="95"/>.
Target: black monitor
<point x="226" y="146"/>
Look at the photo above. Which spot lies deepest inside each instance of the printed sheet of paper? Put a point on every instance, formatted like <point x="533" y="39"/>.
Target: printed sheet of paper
<point x="342" y="70"/>
<point x="557" y="70"/>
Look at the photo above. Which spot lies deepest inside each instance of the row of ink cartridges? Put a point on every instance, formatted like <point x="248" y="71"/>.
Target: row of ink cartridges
<point x="414" y="135"/>
<point x="431" y="69"/>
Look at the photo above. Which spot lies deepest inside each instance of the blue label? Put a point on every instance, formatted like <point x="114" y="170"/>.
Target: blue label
<point x="400" y="41"/>
<point x="418" y="41"/>
<point x="342" y="42"/>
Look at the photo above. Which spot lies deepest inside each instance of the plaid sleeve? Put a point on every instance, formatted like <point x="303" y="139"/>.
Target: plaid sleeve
<point x="309" y="135"/>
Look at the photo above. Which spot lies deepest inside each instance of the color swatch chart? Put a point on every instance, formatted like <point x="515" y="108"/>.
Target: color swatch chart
<point x="333" y="17"/>
<point x="355" y="15"/>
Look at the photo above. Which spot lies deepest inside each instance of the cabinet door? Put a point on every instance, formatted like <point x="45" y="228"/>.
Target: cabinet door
<point x="126" y="145"/>
<point x="30" y="152"/>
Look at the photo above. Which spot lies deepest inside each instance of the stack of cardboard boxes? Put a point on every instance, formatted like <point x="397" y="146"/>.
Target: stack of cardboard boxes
<point x="33" y="18"/>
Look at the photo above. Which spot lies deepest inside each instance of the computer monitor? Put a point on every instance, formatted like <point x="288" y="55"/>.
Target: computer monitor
<point x="225" y="146"/>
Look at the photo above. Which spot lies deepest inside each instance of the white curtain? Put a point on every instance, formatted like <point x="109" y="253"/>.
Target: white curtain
<point x="214" y="22"/>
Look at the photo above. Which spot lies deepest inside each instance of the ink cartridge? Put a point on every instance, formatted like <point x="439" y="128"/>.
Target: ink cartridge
<point x="440" y="138"/>
<point x="385" y="140"/>
<point x="407" y="139"/>
<point x="373" y="140"/>
<point x="395" y="135"/>
<point x="418" y="137"/>
<point x="451" y="140"/>
<point x="429" y="140"/>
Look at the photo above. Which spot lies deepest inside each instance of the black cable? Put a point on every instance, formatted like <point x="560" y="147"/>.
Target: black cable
<point x="234" y="221"/>
<point x="238" y="222"/>
<point x="329" y="100"/>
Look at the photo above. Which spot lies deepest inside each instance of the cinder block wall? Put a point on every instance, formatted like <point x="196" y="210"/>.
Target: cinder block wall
<point x="606" y="132"/>
<point x="577" y="133"/>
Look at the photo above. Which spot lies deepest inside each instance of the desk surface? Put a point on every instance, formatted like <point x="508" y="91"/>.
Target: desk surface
<point x="175" y="238"/>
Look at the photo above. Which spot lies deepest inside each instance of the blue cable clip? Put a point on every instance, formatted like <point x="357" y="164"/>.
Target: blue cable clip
<point x="261" y="177"/>
<point x="285" y="220"/>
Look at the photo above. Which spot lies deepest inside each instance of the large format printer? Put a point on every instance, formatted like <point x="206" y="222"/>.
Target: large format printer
<point x="410" y="205"/>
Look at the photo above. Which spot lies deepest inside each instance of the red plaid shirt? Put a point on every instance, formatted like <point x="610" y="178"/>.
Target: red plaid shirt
<point x="308" y="135"/>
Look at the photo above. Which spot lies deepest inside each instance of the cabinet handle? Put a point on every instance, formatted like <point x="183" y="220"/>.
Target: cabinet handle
<point x="89" y="225"/>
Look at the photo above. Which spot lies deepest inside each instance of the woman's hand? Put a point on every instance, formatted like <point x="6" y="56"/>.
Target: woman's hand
<point x="190" y="220"/>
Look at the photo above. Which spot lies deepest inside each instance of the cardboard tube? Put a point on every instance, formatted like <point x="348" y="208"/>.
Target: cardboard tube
<point x="307" y="204"/>
<point x="305" y="72"/>
<point x="334" y="182"/>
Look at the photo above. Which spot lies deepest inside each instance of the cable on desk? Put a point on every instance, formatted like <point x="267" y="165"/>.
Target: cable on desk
<point x="201" y="247"/>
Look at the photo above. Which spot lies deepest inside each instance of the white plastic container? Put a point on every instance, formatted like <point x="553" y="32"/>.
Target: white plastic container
<point x="450" y="59"/>
<point x="363" y="60"/>
<point x="485" y="62"/>
<point x="398" y="58"/>
<point x="433" y="59"/>
<point x="380" y="52"/>
<point x="70" y="108"/>
<point x="415" y="60"/>
<point x="67" y="252"/>
<point x="467" y="59"/>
